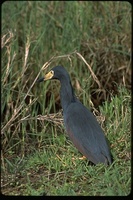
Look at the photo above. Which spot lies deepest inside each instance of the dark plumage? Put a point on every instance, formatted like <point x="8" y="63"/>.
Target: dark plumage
<point x="81" y="125"/>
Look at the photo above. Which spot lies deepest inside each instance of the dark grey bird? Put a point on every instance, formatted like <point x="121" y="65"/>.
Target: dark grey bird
<point x="81" y="125"/>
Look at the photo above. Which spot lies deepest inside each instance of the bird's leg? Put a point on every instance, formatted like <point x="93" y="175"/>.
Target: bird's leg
<point x="82" y="158"/>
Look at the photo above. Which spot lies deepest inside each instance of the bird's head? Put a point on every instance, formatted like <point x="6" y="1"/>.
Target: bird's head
<point x="57" y="72"/>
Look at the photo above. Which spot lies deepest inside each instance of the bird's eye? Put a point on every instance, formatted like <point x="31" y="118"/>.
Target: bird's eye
<point x="52" y="72"/>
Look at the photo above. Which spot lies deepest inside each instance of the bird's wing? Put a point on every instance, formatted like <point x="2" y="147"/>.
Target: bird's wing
<point x="85" y="132"/>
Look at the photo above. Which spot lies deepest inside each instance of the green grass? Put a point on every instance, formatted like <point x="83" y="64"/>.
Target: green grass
<point x="55" y="167"/>
<point x="85" y="37"/>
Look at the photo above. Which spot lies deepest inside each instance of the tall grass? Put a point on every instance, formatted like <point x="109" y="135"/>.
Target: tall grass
<point x="92" y="40"/>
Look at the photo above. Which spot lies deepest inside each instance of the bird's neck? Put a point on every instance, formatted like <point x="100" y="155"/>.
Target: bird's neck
<point x="66" y="94"/>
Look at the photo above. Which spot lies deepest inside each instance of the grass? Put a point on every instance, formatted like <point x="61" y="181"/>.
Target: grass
<point x="93" y="41"/>
<point x="55" y="167"/>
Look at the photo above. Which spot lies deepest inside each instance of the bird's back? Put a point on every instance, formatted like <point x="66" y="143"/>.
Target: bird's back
<point x="85" y="132"/>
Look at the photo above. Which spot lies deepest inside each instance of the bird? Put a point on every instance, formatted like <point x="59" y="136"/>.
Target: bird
<point x="81" y="125"/>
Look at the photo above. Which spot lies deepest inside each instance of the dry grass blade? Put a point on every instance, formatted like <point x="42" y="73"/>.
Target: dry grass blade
<point x="6" y="38"/>
<point x="54" y="118"/>
<point x="89" y="67"/>
<point x="27" y="47"/>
